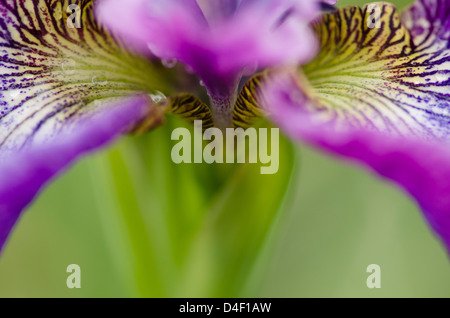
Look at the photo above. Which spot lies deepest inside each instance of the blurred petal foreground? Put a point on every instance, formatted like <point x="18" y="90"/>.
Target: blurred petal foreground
<point x="370" y="84"/>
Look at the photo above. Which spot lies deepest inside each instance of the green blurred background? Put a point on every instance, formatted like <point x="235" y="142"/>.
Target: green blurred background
<point x="334" y="221"/>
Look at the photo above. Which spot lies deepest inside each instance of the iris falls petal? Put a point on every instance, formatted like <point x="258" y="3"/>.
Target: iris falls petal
<point x="393" y="76"/>
<point x="379" y="95"/>
<point x="62" y="80"/>
<point x="24" y="173"/>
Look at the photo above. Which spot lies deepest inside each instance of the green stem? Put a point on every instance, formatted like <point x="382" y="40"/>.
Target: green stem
<point x="191" y="230"/>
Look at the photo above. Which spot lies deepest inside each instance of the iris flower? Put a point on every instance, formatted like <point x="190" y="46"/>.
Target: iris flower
<point x="368" y="84"/>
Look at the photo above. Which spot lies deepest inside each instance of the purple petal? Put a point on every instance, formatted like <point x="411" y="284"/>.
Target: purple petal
<point x="383" y="102"/>
<point x="421" y="168"/>
<point x="59" y="88"/>
<point x="58" y="74"/>
<point x="384" y="77"/>
<point x="218" y="46"/>
<point x="24" y="173"/>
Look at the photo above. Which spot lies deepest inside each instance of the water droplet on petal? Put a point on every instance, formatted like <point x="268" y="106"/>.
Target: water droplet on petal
<point x="441" y="77"/>
<point x="12" y="94"/>
<point x="68" y="66"/>
<point x="169" y="63"/>
<point x="100" y="79"/>
<point x="158" y="97"/>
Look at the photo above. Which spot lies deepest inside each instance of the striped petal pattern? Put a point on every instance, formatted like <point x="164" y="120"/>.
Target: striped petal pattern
<point x="65" y="86"/>
<point x="51" y="73"/>
<point x="25" y="173"/>
<point x="391" y="75"/>
<point x="379" y="96"/>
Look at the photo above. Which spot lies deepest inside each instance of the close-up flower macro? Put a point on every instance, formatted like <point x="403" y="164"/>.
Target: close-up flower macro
<point x="224" y="148"/>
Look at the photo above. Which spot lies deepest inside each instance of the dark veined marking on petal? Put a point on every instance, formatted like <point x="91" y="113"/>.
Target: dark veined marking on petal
<point x="50" y="73"/>
<point x="326" y="7"/>
<point x="191" y="108"/>
<point x="394" y="78"/>
<point x="185" y="105"/>
<point x="248" y="107"/>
